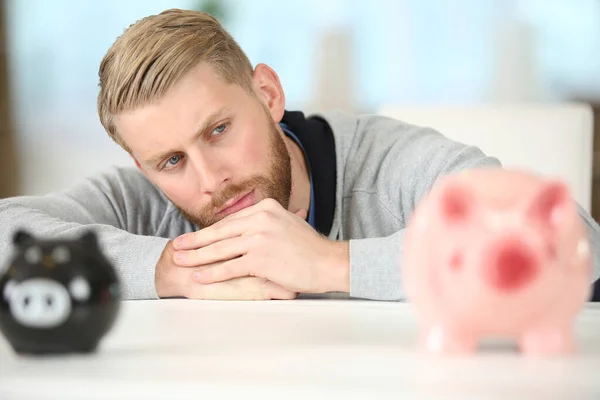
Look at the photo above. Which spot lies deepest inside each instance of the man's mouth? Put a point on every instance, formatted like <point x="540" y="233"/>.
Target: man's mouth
<point x="237" y="203"/>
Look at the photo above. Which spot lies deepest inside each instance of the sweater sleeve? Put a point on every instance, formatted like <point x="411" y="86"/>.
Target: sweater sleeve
<point x="121" y="206"/>
<point x="408" y="171"/>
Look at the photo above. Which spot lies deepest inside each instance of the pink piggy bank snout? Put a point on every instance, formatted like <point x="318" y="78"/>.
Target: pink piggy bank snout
<point x="510" y="265"/>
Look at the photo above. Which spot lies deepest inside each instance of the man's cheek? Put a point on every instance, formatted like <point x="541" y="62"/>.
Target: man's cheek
<point x="255" y="157"/>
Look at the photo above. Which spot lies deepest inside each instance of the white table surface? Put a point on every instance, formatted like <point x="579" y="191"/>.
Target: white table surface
<point x="301" y="349"/>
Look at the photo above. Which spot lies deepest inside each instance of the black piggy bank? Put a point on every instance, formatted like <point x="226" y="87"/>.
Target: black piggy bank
<point x="57" y="296"/>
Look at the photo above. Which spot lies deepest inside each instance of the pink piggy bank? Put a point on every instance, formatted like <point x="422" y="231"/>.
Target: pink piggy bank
<point x="501" y="254"/>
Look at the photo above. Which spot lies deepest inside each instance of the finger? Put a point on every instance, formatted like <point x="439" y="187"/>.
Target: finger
<point x="226" y="227"/>
<point x="267" y="204"/>
<point x="224" y="291"/>
<point x="212" y="234"/>
<point x="244" y="288"/>
<point x="230" y="290"/>
<point x="279" y="292"/>
<point x="223" y="250"/>
<point x="262" y="288"/>
<point x="231" y="269"/>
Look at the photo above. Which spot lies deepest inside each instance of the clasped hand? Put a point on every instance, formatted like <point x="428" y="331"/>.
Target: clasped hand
<point x="265" y="241"/>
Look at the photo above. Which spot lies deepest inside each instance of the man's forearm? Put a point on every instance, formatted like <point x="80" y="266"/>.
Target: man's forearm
<point x="375" y="263"/>
<point x="375" y="268"/>
<point x="133" y="256"/>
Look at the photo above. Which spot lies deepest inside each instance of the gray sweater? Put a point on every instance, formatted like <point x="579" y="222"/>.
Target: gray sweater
<point x="384" y="167"/>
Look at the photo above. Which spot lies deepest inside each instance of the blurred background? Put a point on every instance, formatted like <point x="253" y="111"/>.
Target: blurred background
<point x="350" y="54"/>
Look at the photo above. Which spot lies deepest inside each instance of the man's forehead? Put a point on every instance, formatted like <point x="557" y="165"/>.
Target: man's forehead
<point x="176" y="118"/>
<point x="198" y="94"/>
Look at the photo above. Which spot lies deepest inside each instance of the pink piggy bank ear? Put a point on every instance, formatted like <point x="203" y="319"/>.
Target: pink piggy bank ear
<point x="550" y="202"/>
<point x="457" y="202"/>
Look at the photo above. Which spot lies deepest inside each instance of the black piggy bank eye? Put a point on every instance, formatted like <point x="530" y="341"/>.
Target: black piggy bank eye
<point x="61" y="255"/>
<point x="33" y="255"/>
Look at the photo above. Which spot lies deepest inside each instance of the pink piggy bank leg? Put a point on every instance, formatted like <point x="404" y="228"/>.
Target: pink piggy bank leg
<point x="445" y="339"/>
<point x="548" y="340"/>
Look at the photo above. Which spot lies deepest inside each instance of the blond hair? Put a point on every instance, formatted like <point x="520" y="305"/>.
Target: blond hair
<point x="153" y="54"/>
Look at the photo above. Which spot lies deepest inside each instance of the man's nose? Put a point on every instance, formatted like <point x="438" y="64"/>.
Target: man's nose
<point x="209" y="173"/>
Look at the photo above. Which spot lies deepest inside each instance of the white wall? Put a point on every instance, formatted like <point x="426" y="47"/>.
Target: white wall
<point x="405" y="52"/>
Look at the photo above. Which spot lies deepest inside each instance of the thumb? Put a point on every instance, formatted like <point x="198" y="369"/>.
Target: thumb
<point x="302" y="213"/>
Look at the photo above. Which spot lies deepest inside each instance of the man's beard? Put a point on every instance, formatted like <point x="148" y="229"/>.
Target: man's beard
<point x="276" y="184"/>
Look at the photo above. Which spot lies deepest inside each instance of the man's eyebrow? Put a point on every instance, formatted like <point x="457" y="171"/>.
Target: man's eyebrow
<point x="212" y="118"/>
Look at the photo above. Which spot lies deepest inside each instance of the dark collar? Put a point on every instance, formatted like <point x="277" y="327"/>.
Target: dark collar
<point x="317" y="139"/>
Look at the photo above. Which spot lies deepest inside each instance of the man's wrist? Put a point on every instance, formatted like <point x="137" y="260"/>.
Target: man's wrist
<point x="337" y="267"/>
<point x="162" y="265"/>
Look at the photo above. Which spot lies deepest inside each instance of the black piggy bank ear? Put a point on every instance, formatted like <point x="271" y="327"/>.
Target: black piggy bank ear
<point x="22" y="238"/>
<point x="89" y="239"/>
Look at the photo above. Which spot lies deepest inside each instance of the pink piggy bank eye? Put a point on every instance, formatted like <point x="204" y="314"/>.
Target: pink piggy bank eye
<point x="456" y="204"/>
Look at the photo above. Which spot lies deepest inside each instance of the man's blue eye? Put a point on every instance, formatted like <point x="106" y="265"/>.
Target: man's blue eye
<point x="219" y="129"/>
<point x="174" y="160"/>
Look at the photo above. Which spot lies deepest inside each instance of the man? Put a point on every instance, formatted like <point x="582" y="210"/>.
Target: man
<point x="234" y="197"/>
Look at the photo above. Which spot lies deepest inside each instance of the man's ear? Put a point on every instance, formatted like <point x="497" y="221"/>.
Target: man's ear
<point x="138" y="164"/>
<point x="269" y="90"/>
